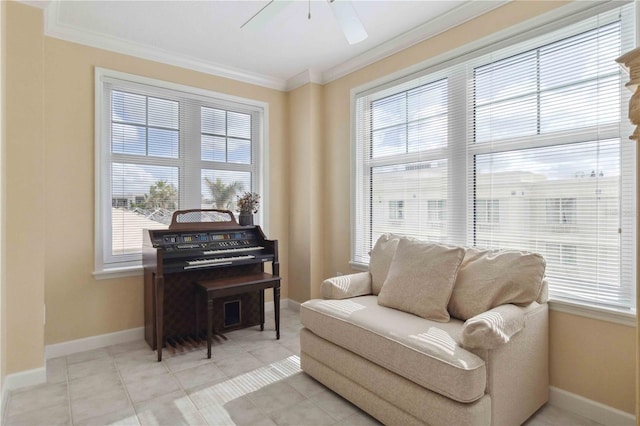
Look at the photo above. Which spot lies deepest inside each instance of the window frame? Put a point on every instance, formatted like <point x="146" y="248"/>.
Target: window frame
<point x="562" y="17"/>
<point x="106" y="265"/>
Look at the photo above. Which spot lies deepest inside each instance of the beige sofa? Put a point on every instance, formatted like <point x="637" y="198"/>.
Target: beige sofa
<point x="433" y="335"/>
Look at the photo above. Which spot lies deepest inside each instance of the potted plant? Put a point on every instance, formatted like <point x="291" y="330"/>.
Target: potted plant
<point x="247" y="205"/>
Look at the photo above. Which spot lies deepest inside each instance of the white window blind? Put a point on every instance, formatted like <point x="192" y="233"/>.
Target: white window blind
<point x="524" y="148"/>
<point x="162" y="149"/>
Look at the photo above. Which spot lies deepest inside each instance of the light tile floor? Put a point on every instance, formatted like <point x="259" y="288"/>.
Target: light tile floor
<point x="252" y="379"/>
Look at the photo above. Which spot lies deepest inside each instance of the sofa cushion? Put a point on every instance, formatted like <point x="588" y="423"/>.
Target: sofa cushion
<point x="490" y="278"/>
<point x="420" y="279"/>
<point x="381" y="257"/>
<point x="426" y="352"/>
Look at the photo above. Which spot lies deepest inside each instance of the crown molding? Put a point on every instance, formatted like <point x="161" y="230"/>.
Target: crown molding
<point x="463" y="13"/>
<point x="54" y="28"/>
<point x="453" y="18"/>
<point x="307" y="76"/>
<point x="40" y="4"/>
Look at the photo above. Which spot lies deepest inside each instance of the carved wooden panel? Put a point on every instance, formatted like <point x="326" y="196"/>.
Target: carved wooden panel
<point x="631" y="61"/>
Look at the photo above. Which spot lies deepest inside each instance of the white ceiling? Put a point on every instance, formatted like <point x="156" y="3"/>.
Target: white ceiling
<point x="285" y="52"/>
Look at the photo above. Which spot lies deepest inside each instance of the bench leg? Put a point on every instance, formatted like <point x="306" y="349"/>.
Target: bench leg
<point x="276" y="309"/>
<point x="261" y="310"/>
<point x="196" y="298"/>
<point x="209" y="325"/>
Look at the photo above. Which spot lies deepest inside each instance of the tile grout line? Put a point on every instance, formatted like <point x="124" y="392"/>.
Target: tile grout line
<point x="326" y="411"/>
<point x="5" y="415"/>
<point x="228" y="377"/>
<point x="184" y="390"/>
<point x="124" y="385"/>
<point x="68" y="381"/>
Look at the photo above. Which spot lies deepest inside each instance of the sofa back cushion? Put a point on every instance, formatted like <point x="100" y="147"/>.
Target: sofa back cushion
<point x="420" y="279"/>
<point x="490" y="278"/>
<point x="381" y="257"/>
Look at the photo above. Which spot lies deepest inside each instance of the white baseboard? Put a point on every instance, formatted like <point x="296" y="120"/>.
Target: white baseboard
<point x="284" y="303"/>
<point x="124" y="336"/>
<point x="4" y="402"/>
<point x="93" y="342"/>
<point x="23" y="379"/>
<point x="38" y="376"/>
<point x="590" y="409"/>
<point x="293" y="305"/>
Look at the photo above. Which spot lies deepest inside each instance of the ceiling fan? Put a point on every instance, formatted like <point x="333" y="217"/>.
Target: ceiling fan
<point x="343" y="11"/>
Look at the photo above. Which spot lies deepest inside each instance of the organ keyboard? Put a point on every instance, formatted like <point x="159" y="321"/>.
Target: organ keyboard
<point x="200" y="245"/>
<point x="204" y="263"/>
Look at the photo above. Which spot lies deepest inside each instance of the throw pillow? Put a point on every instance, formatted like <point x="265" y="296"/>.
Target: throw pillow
<point x="490" y="278"/>
<point x="381" y="256"/>
<point x="420" y="279"/>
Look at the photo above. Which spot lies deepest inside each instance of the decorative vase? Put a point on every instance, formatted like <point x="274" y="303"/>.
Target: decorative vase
<point x="245" y="219"/>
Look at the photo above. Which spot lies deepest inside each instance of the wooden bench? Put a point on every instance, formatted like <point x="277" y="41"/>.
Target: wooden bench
<point x="231" y="286"/>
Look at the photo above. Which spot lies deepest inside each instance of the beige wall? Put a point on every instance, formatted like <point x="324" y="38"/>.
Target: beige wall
<point x="3" y="299"/>
<point x="26" y="211"/>
<point x="591" y="358"/>
<point x="305" y="201"/>
<point x="594" y="359"/>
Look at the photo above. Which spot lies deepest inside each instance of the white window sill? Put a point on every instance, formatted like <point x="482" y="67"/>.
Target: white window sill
<point x="627" y="318"/>
<point x="121" y="272"/>
<point x="362" y="267"/>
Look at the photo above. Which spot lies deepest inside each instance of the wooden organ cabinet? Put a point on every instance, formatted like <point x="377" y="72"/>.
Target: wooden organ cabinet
<point x="205" y="252"/>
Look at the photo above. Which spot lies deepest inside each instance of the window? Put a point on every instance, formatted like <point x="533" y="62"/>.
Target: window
<point x="522" y="146"/>
<point x="487" y="211"/>
<point x="396" y="210"/>
<point x="163" y="147"/>
<point x="436" y="210"/>
<point x="561" y="210"/>
<point x="561" y="254"/>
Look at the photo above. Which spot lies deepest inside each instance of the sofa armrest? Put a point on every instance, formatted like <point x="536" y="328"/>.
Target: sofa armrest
<point x="346" y="286"/>
<point x="493" y="328"/>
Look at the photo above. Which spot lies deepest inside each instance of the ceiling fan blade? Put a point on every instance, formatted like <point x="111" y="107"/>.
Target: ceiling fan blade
<point x="266" y="14"/>
<point x="348" y="20"/>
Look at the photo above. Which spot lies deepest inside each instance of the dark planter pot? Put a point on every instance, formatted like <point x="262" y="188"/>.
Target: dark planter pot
<point x="245" y="219"/>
